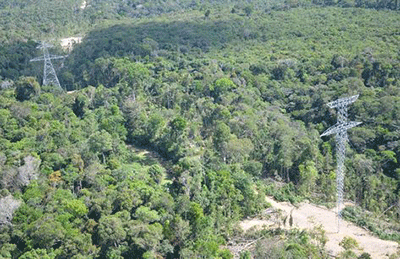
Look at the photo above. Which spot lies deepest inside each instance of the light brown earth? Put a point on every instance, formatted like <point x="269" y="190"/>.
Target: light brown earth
<point x="308" y="216"/>
<point x="68" y="43"/>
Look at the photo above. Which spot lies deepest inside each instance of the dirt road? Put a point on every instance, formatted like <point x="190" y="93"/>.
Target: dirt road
<point x="307" y="216"/>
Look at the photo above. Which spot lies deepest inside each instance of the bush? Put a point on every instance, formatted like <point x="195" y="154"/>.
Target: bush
<point x="365" y="256"/>
<point x="348" y="243"/>
<point x="287" y="192"/>
<point x="27" y="88"/>
<point x="245" y="255"/>
<point x="384" y="230"/>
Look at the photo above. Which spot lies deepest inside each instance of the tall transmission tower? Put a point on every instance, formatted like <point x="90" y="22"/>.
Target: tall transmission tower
<point x="49" y="74"/>
<point x="340" y="129"/>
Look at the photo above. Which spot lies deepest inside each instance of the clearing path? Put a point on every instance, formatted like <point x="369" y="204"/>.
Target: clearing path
<point x="68" y="43"/>
<point x="307" y="216"/>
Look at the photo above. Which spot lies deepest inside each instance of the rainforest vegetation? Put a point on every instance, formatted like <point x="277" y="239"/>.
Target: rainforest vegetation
<point x="176" y="118"/>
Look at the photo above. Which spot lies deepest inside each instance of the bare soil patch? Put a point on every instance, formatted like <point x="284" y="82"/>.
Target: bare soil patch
<point x="309" y="216"/>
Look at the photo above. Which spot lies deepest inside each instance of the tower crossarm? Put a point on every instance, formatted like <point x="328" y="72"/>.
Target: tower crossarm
<point x="49" y="57"/>
<point x="49" y="73"/>
<point x="343" y="101"/>
<point x="340" y="128"/>
<point x="44" y="45"/>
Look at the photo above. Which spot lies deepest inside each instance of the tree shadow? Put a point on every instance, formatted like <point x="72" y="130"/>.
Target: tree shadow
<point x="14" y="60"/>
<point x="151" y="39"/>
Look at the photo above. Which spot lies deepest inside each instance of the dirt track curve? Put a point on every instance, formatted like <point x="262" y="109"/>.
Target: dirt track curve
<point x="307" y="216"/>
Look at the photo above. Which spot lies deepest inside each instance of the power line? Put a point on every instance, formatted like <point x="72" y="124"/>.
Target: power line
<point x="49" y="74"/>
<point x="340" y="129"/>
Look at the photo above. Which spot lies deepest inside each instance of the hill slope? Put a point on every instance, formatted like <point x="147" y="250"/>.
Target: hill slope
<point x="230" y="95"/>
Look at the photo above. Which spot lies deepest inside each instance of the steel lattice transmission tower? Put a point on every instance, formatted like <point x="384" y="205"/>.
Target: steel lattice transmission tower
<point x="340" y="129"/>
<point x="49" y="74"/>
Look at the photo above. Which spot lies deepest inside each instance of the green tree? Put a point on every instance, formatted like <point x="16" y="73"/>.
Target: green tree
<point x="47" y="231"/>
<point x="248" y="10"/>
<point x="157" y="173"/>
<point x="100" y="143"/>
<point x="221" y="86"/>
<point x="308" y="177"/>
<point x="26" y="88"/>
<point x="111" y="231"/>
<point x="80" y="104"/>
<point x="207" y="13"/>
<point x="145" y="214"/>
<point x="39" y="254"/>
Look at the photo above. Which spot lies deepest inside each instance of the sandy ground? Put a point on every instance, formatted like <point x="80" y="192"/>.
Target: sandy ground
<point x="307" y="216"/>
<point x="68" y="43"/>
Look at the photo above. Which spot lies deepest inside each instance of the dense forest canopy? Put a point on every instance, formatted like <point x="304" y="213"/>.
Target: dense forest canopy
<point x="180" y="116"/>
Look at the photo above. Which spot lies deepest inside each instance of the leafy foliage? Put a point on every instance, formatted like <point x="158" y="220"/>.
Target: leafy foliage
<point x="384" y="229"/>
<point x="175" y="117"/>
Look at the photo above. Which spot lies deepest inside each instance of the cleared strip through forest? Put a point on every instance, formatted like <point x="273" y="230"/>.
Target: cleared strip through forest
<point x="308" y="216"/>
